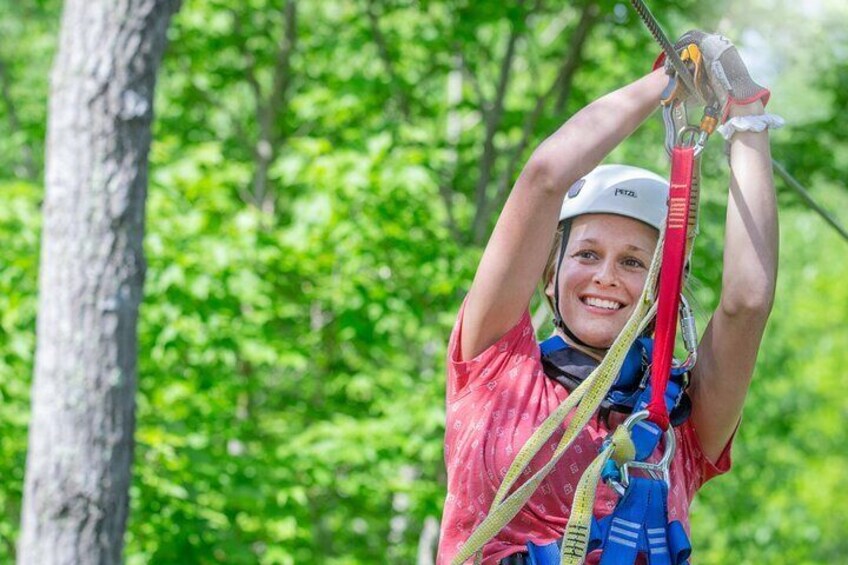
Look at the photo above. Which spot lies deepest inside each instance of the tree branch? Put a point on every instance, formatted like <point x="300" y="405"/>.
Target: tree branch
<point x="475" y="86"/>
<point x="268" y="108"/>
<point x="386" y="57"/>
<point x="15" y="123"/>
<point x="256" y="88"/>
<point x="267" y="146"/>
<point x="492" y="122"/>
<point x="249" y="60"/>
<point x="282" y="68"/>
<point x="588" y="19"/>
<point x="562" y="84"/>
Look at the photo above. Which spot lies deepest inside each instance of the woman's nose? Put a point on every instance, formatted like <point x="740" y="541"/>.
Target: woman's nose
<point x="606" y="274"/>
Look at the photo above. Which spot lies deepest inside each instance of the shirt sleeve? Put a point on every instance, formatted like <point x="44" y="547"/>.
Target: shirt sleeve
<point x="465" y="375"/>
<point x="699" y="467"/>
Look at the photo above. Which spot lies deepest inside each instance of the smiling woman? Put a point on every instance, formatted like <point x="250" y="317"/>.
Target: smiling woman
<point x="601" y="276"/>
<point x="603" y="223"/>
<point x="608" y="229"/>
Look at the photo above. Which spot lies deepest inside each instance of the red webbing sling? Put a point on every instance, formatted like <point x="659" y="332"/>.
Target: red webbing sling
<point x="671" y="280"/>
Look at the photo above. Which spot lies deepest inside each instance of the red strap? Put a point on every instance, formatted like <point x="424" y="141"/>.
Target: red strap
<point x="763" y="95"/>
<point x="671" y="280"/>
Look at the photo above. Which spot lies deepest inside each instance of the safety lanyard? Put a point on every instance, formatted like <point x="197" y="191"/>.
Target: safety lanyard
<point x="671" y="279"/>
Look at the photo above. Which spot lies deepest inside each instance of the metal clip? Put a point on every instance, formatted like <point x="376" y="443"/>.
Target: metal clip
<point x="659" y="470"/>
<point x="689" y="333"/>
<point x="678" y="131"/>
<point x="675" y="116"/>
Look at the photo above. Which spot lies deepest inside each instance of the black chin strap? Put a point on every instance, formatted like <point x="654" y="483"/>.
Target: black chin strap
<point x="558" y="321"/>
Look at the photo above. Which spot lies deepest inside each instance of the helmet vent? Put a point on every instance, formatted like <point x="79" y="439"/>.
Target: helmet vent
<point x="575" y="188"/>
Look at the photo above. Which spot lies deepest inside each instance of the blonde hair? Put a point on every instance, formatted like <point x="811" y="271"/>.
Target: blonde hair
<point x="551" y="265"/>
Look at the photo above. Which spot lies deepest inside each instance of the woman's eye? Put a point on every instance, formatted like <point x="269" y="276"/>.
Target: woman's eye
<point x="585" y="254"/>
<point x="635" y="263"/>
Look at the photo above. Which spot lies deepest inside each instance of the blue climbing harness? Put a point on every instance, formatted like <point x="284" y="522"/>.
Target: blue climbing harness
<point x="631" y="391"/>
<point x="639" y="523"/>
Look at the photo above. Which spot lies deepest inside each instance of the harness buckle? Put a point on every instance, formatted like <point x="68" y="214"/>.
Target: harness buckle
<point x="659" y="470"/>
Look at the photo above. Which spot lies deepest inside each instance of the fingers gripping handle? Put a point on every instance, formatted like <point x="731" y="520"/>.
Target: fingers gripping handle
<point x="726" y="72"/>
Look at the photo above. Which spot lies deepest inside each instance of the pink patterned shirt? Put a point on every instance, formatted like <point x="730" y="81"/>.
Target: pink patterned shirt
<point x="494" y="403"/>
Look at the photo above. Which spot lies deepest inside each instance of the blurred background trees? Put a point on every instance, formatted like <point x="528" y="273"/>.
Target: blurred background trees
<point x="323" y="178"/>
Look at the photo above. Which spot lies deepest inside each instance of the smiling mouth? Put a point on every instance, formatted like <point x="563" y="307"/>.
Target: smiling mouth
<point x="601" y="303"/>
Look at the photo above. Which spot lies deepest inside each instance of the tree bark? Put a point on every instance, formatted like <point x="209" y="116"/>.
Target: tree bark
<point x="76" y="493"/>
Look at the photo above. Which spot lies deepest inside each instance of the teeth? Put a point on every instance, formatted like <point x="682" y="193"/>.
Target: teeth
<point x="600" y="303"/>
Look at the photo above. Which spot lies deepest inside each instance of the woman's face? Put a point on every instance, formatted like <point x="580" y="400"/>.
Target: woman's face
<point x="602" y="274"/>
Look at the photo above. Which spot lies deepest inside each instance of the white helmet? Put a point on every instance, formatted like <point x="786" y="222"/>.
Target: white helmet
<point x="618" y="189"/>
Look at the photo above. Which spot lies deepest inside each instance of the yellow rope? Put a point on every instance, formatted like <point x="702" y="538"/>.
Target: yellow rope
<point x="576" y="538"/>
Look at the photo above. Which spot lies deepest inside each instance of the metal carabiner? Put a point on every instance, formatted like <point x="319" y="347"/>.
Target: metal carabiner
<point x="678" y="131"/>
<point x="659" y="470"/>
<point x="689" y="333"/>
<point x="675" y="115"/>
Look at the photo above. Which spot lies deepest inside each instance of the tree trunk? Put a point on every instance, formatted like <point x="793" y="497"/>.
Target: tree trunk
<point x="76" y="496"/>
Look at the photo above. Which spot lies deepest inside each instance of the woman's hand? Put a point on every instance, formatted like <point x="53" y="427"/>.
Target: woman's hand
<point x="726" y="73"/>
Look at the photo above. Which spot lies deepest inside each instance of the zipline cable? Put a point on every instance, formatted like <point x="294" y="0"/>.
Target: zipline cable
<point x="807" y="198"/>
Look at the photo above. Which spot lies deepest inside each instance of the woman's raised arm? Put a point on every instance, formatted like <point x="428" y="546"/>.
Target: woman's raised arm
<point x="515" y="256"/>
<point x="728" y="349"/>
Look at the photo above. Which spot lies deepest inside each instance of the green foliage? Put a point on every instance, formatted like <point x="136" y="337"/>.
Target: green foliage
<point x="784" y="498"/>
<point x="304" y="272"/>
<point x="290" y="360"/>
<point x="28" y="30"/>
<point x="20" y="224"/>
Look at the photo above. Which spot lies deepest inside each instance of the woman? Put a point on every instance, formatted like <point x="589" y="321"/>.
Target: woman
<point x="498" y="392"/>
